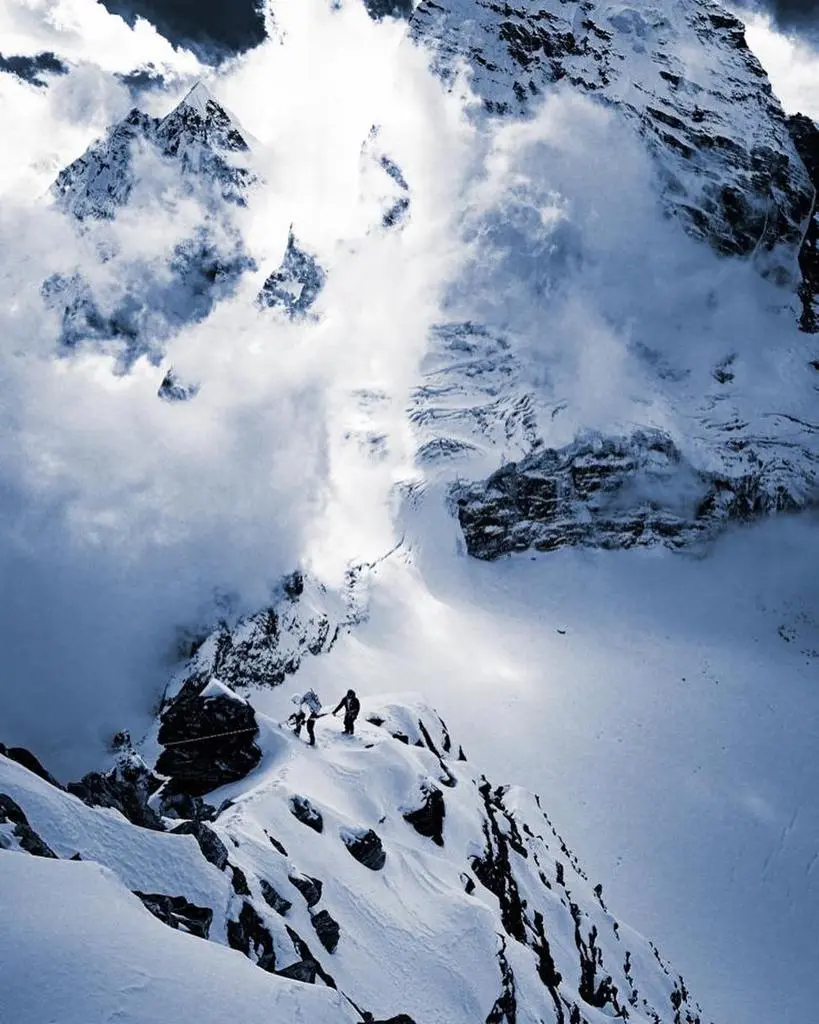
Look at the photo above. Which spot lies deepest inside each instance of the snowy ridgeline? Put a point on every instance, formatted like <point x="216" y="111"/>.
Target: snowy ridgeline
<point x="377" y="874"/>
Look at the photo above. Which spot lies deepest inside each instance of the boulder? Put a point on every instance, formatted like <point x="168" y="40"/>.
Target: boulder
<point x="301" y="808"/>
<point x="273" y="898"/>
<point x="310" y="888"/>
<point x="213" y="849"/>
<point x="428" y="819"/>
<point x="365" y="846"/>
<point x="209" y="740"/>
<point x="176" y="912"/>
<point x="327" y="929"/>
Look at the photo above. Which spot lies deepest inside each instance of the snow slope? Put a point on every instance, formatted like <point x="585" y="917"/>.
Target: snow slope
<point x="363" y="846"/>
<point x="84" y="949"/>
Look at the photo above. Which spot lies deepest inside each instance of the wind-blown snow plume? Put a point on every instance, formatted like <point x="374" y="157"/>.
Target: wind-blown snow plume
<point x="123" y="515"/>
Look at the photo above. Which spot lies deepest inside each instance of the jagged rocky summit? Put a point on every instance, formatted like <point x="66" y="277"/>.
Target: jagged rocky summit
<point x="197" y="151"/>
<point x="383" y="866"/>
<point x="198" y="136"/>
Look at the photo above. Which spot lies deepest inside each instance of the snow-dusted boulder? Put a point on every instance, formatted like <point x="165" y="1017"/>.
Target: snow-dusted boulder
<point x="209" y="740"/>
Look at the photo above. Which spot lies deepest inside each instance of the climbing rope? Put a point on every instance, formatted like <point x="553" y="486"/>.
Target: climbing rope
<point x="212" y="736"/>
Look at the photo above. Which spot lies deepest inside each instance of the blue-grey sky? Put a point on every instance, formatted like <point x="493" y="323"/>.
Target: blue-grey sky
<point x="215" y="28"/>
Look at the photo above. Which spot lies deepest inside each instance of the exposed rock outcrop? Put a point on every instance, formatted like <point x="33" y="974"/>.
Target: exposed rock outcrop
<point x="428" y="819"/>
<point x="208" y="739"/>
<point x="310" y="888"/>
<point x="327" y="929"/>
<point x="366" y="847"/>
<point x="265" y="648"/>
<point x="611" y="493"/>
<point x="805" y="134"/>
<point x="18" y="833"/>
<point x="307" y="814"/>
<point x="296" y="285"/>
<point x="178" y="913"/>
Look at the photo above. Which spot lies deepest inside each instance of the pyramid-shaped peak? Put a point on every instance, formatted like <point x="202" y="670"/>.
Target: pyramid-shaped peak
<point x="198" y="98"/>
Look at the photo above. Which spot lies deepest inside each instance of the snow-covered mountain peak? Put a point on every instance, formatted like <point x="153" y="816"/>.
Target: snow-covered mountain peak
<point x="683" y="76"/>
<point x="199" y="99"/>
<point x="198" y="137"/>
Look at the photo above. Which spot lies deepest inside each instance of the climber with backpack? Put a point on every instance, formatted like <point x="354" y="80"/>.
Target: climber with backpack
<point x="352" y="706"/>
<point x="300" y="716"/>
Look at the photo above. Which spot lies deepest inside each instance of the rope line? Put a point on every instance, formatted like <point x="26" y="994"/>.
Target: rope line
<point x="213" y="736"/>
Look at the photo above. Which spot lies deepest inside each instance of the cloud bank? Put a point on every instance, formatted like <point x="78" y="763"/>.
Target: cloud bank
<point x="123" y="519"/>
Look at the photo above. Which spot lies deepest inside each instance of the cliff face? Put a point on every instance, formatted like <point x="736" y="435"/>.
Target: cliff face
<point x="805" y="134"/>
<point x="683" y="76"/>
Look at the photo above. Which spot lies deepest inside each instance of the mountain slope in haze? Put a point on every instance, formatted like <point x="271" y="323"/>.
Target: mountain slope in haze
<point x="723" y="426"/>
<point x="682" y="74"/>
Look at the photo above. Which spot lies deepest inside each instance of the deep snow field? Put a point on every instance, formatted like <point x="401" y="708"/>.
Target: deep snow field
<point x="664" y="706"/>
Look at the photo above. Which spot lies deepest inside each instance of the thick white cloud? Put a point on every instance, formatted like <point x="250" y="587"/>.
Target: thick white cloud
<point x="791" y="62"/>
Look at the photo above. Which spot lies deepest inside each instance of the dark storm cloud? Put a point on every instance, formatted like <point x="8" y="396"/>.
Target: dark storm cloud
<point x="388" y="8"/>
<point x="143" y="79"/>
<point x="800" y="16"/>
<point x="31" y="69"/>
<point x="215" y="29"/>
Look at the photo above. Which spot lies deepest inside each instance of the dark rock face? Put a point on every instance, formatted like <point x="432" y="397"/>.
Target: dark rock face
<point x="172" y="389"/>
<point x="310" y="888"/>
<point x="366" y="847"/>
<point x="327" y="929"/>
<point x="428" y="819"/>
<point x="308" y="961"/>
<point x="213" y="849"/>
<point x="273" y="899"/>
<point x="301" y="808"/>
<point x="296" y="285"/>
<point x="249" y="935"/>
<point x="127" y="788"/>
<point x="378" y="9"/>
<point x="12" y="814"/>
<point x="213" y="31"/>
<point x="301" y="970"/>
<point x="176" y="912"/>
<point x="610" y="493"/>
<point x="805" y="134"/>
<point x="716" y="131"/>
<point x="505" y="1008"/>
<point x="209" y="741"/>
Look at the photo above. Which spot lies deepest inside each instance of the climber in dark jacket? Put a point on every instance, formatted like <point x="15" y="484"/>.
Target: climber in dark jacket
<point x="352" y="706"/>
